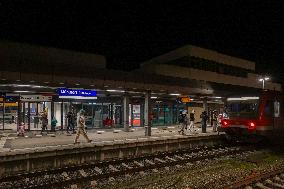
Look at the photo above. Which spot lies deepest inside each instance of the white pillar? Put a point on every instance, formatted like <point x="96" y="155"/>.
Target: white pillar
<point x="126" y="112"/>
<point x="147" y="110"/>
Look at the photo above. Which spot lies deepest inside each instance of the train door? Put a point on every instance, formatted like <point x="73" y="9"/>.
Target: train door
<point x="278" y="117"/>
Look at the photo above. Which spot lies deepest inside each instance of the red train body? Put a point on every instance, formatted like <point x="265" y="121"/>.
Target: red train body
<point x="259" y="115"/>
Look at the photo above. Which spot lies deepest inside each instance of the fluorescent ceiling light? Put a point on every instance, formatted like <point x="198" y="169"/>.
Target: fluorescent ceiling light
<point x="113" y="90"/>
<point x="243" y="98"/>
<point x="36" y="86"/>
<point x="22" y="91"/>
<point x="22" y="85"/>
<point x="175" y="94"/>
<point x="153" y="97"/>
<point x="79" y="97"/>
<point x="217" y="97"/>
<point x="266" y="78"/>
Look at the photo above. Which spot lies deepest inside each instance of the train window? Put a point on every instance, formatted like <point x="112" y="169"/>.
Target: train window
<point x="276" y="109"/>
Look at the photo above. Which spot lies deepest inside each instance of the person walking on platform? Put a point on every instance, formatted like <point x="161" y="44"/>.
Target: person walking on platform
<point x="183" y="120"/>
<point x="214" y="121"/>
<point x="81" y="127"/>
<point x="71" y="121"/>
<point x="191" y="119"/>
<point x="44" y="121"/>
<point x="204" y="118"/>
<point x="53" y="124"/>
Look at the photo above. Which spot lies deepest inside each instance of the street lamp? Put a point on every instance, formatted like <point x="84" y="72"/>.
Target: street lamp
<point x="263" y="80"/>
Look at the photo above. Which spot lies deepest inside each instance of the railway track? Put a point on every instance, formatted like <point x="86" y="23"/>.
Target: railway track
<point x="65" y="177"/>
<point x="268" y="180"/>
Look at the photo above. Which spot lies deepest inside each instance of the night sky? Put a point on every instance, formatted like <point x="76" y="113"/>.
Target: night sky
<point x="130" y="32"/>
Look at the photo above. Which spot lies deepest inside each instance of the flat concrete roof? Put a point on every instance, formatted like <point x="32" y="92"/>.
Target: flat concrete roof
<point x="22" y="56"/>
<point x="194" y="51"/>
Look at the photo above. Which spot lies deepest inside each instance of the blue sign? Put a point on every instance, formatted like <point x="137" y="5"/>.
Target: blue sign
<point x="75" y="92"/>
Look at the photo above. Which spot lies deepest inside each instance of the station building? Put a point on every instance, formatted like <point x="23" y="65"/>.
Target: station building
<point x="226" y="75"/>
<point x="34" y="79"/>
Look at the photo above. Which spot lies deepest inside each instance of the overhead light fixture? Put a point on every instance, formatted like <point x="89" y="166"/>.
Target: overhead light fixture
<point x="77" y="84"/>
<point x="243" y="98"/>
<point x="174" y="94"/>
<point x="133" y="92"/>
<point x="266" y="78"/>
<point x="32" y="81"/>
<point x="113" y="90"/>
<point x="46" y="82"/>
<point x="61" y="83"/>
<point x="154" y="97"/>
<point x="36" y="86"/>
<point x="217" y="97"/>
<point x="80" y="97"/>
<point x="22" y="91"/>
<point x="22" y="85"/>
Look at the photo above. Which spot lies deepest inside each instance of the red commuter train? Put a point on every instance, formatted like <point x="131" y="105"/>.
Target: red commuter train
<point x="254" y="116"/>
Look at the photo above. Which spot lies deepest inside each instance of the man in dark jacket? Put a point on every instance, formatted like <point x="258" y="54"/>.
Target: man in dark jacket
<point x="183" y="120"/>
<point x="71" y="121"/>
<point x="204" y="118"/>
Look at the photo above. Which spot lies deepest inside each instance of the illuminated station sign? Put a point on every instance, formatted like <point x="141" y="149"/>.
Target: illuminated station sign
<point x="76" y="94"/>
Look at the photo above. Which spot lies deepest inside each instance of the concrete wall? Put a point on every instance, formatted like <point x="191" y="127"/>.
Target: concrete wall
<point x="46" y="158"/>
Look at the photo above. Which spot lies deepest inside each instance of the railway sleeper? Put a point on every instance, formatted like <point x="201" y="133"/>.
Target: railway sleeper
<point x="179" y="157"/>
<point x="273" y="184"/>
<point x="112" y="168"/>
<point x="279" y="180"/>
<point x="138" y="164"/>
<point x="149" y="162"/>
<point x="126" y="166"/>
<point x="169" y="158"/>
<point x="159" y="160"/>
<point x="262" y="186"/>
<point x="98" y="170"/>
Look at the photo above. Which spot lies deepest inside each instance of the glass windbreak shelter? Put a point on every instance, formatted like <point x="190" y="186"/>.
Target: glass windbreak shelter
<point x="96" y="112"/>
<point x="31" y="108"/>
<point x="8" y="112"/>
<point x="166" y="113"/>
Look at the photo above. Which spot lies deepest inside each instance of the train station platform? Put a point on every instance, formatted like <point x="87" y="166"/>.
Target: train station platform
<point x="57" y="151"/>
<point x="11" y="142"/>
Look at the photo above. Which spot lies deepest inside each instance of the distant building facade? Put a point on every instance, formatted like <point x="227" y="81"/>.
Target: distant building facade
<point x="201" y="64"/>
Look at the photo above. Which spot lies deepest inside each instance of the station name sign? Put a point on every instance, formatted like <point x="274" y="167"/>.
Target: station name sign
<point x="76" y="94"/>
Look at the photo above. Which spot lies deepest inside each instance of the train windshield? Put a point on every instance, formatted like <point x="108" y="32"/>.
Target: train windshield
<point x="245" y="107"/>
